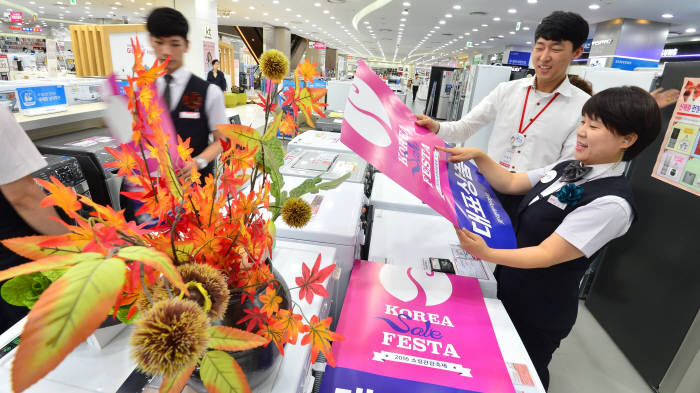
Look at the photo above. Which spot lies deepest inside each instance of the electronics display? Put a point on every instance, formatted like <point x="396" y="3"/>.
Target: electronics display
<point x="88" y="147"/>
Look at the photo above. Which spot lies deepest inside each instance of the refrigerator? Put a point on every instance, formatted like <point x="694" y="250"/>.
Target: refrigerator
<point x="482" y="80"/>
<point x="646" y="293"/>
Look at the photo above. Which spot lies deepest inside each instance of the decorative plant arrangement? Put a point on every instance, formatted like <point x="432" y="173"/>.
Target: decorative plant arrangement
<point x="174" y="281"/>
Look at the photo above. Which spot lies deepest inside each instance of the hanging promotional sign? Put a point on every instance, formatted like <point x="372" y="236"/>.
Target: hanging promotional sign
<point x="678" y="162"/>
<point x="15" y="17"/>
<point x="317" y="45"/>
<point x="420" y="332"/>
<point x="380" y="128"/>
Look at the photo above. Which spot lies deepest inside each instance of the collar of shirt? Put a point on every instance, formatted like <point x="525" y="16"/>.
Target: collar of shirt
<point x="599" y="171"/>
<point x="564" y="87"/>
<point x="180" y="78"/>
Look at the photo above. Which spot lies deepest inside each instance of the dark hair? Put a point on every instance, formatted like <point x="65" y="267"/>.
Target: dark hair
<point x="214" y="61"/>
<point x="167" y="22"/>
<point x="626" y="110"/>
<point x="563" y="26"/>
<point x="581" y="83"/>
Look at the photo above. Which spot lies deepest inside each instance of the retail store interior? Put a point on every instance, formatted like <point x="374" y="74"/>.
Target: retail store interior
<point x="68" y="66"/>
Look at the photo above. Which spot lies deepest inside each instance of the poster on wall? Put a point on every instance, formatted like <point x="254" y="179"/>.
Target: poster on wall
<point x="678" y="162"/>
<point x="209" y="54"/>
<point x="420" y="332"/>
<point x="123" y="52"/>
<point x="380" y="128"/>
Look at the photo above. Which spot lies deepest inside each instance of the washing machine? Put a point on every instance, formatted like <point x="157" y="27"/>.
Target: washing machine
<point x="329" y="164"/>
<point x="388" y="195"/>
<point x="319" y="140"/>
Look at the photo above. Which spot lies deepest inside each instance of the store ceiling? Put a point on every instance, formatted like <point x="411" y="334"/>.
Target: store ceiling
<point x="382" y="33"/>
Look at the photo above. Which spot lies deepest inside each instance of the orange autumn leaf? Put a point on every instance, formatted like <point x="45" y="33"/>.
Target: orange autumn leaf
<point x="126" y="160"/>
<point x="291" y="323"/>
<point x="183" y="148"/>
<point x="288" y="126"/>
<point x="320" y="337"/>
<point x="307" y="70"/>
<point x="273" y="330"/>
<point x="60" y="195"/>
<point x="270" y="300"/>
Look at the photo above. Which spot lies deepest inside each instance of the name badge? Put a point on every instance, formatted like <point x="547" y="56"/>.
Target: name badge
<point x="189" y="115"/>
<point x="549" y="176"/>
<point x="556" y="202"/>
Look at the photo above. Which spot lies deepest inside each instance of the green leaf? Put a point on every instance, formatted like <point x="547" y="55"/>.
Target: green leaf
<point x="331" y="184"/>
<point x="274" y="152"/>
<point x="155" y="259"/>
<point x="64" y="316"/>
<point x="50" y="263"/>
<point x="176" y="383"/>
<point x="231" y="339"/>
<point x="123" y="314"/>
<point x="307" y="186"/>
<point x="271" y="132"/>
<point x="221" y="374"/>
<point x="19" y="291"/>
<point x="55" y="274"/>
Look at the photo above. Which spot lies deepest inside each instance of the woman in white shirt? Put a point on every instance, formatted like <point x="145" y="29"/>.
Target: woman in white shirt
<point x="570" y="211"/>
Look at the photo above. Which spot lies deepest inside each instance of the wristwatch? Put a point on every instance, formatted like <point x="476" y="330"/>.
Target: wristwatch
<point x="201" y="163"/>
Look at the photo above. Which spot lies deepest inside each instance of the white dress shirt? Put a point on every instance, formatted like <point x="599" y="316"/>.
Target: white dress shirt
<point x="19" y="155"/>
<point x="551" y="138"/>
<point x="214" y="105"/>
<point x="590" y="227"/>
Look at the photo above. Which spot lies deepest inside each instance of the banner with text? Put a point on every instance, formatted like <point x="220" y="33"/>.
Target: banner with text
<point x="380" y="128"/>
<point x="414" y="331"/>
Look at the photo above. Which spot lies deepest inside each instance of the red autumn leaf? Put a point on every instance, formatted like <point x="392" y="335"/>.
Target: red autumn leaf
<point x="320" y="337"/>
<point x="311" y="281"/>
<point x="254" y="317"/>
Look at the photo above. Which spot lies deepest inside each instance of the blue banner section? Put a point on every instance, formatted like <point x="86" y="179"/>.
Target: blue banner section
<point x="41" y="96"/>
<point x="628" y="64"/>
<point x="518" y="58"/>
<point x="478" y="209"/>
<point x="344" y="380"/>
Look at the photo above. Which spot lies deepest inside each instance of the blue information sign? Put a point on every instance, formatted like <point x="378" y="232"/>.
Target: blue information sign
<point x="519" y="58"/>
<point x="626" y="63"/>
<point x="41" y="96"/>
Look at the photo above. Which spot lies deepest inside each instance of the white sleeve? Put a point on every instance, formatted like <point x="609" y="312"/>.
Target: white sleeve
<point x="481" y="115"/>
<point x="592" y="226"/>
<point x="19" y="155"/>
<point x="569" y="146"/>
<point x="216" y="110"/>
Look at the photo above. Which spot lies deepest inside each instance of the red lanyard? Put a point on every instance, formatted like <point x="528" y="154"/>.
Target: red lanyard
<point x="521" y="130"/>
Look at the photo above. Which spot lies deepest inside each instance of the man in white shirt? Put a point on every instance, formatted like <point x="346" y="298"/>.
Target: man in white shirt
<point x="534" y="119"/>
<point x="196" y="106"/>
<point x="20" y="197"/>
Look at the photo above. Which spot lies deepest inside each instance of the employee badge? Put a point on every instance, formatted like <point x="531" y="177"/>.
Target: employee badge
<point x="549" y="176"/>
<point x="517" y="139"/>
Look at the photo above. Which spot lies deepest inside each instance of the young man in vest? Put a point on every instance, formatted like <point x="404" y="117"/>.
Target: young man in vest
<point x="196" y="106"/>
<point x="534" y="119"/>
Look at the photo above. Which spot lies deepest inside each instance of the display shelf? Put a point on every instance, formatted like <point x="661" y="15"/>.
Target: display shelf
<point x="75" y="113"/>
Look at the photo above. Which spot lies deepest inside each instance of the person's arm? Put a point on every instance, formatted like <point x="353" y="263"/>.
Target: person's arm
<point x="461" y="130"/>
<point x="665" y="98"/>
<point x="569" y="146"/>
<point x="498" y="177"/>
<point x="25" y="197"/>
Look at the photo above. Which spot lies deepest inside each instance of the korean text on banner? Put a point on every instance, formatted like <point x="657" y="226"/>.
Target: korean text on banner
<point x="419" y="332"/>
<point x="380" y="128"/>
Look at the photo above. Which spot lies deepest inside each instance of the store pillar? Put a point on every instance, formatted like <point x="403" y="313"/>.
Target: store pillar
<point x="331" y="61"/>
<point x="628" y="43"/>
<point x="317" y="56"/>
<point x="277" y="38"/>
<point x="203" y="35"/>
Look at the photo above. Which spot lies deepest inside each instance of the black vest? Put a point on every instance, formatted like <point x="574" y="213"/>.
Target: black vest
<point x="547" y="298"/>
<point x="194" y="99"/>
<point x="11" y="225"/>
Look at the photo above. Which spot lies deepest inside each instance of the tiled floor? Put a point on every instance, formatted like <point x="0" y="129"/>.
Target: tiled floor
<point x="588" y="361"/>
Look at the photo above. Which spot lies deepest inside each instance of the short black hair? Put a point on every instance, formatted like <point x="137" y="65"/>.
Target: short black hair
<point x="167" y="22"/>
<point x="214" y="61"/>
<point x="563" y="26"/>
<point x="626" y="110"/>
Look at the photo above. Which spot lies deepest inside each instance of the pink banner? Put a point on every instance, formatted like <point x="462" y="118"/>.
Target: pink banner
<point x="16" y="17"/>
<point x="380" y="128"/>
<point x="415" y="331"/>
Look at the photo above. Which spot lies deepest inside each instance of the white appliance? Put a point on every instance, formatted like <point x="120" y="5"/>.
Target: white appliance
<point x="319" y="140"/>
<point x="482" y="80"/>
<point x="330" y="165"/>
<point x="604" y="78"/>
<point x="389" y="195"/>
<point x="411" y="239"/>
<point x="337" y="222"/>
<point x="513" y="351"/>
<point x="87" y="369"/>
<point x="332" y="122"/>
<point x="337" y="94"/>
<point x="83" y="90"/>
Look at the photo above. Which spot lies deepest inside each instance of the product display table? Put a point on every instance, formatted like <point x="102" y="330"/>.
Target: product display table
<point x="88" y="369"/>
<point x="250" y="114"/>
<point x="406" y="239"/>
<point x="74" y="113"/>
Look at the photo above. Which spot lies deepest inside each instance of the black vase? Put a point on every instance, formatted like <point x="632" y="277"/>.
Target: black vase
<point x="258" y="364"/>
